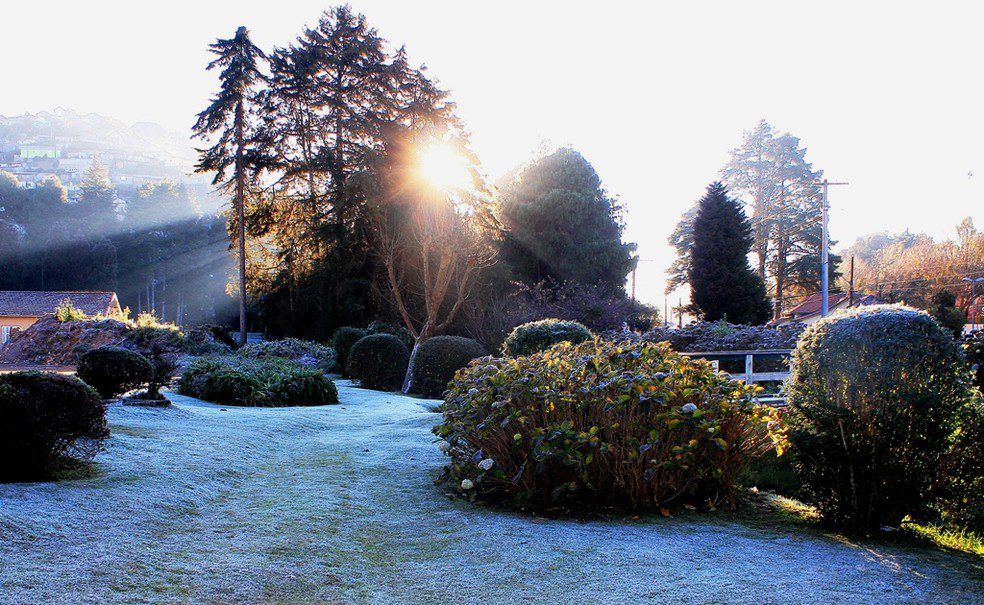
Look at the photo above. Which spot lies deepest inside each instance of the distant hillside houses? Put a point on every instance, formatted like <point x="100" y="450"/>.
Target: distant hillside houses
<point x="64" y="144"/>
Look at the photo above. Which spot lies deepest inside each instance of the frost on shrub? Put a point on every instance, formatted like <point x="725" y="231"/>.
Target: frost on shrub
<point x="601" y="424"/>
<point x="379" y="361"/>
<point x="437" y="361"/>
<point x="113" y="371"/>
<point x="382" y="327"/>
<point x="303" y="352"/>
<point x="539" y="335"/>
<point x="724" y="336"/>
<point x="875" y="394"/>
<point x="45" y="418"/>
<point x="343" y="340"/>
<point x="269" y="382"/>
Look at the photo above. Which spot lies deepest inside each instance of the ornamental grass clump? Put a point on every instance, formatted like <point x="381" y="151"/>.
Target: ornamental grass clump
<point x="875" y="395"/>
<point x="629" y="426"/>
<point x="272" y="382"/>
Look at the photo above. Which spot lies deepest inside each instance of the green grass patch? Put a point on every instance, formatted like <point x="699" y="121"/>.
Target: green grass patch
<point x="947" y="537"/>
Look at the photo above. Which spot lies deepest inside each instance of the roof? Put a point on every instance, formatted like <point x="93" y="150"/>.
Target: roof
<point x="21" y="303"/>
<point x="811" y="306"/>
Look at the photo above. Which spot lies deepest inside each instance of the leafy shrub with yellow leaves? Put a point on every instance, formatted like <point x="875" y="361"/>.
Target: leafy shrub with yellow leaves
<point x="600" y="424"/>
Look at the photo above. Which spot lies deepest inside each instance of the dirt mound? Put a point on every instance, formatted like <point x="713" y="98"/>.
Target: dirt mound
<point x="60" y="343"/>
<point x="53" y="342"/>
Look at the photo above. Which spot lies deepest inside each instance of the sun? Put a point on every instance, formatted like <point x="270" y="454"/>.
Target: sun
<point x="442" y="166"/>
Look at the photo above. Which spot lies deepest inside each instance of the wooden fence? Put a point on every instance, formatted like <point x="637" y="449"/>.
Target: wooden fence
<point x="750" y="376"/>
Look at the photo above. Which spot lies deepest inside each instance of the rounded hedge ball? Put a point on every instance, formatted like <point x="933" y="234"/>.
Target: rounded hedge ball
<point x="113" y="371"/>
<point x="437" y="361"/>
<point x="379" y="362"/>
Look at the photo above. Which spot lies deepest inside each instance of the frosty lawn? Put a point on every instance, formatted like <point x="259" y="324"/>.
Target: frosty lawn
<point x="337" y="504"/>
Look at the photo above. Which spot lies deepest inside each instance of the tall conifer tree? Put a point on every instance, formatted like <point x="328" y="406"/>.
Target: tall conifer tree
<point x="562" y="226"/>
<point x="229" y="117"/>
<point x="723" y="285"/>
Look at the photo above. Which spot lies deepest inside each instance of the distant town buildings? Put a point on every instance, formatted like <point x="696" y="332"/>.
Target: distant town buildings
<point x="64" y="144"/>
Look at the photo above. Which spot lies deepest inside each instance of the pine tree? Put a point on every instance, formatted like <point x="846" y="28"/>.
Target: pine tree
<point x="334" y="98"/>
<point x="229" y="117"/>
<point x="770" y="171"/>
<point x="723" y="286"/>
<point x="97" y="196"/>
<point x="562" y="226"/>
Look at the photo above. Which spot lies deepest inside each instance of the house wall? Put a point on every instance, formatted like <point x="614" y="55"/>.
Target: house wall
<point x="10" y="323"/>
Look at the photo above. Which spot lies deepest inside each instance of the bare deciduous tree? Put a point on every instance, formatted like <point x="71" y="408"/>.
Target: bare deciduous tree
<point x="432" y="244"/>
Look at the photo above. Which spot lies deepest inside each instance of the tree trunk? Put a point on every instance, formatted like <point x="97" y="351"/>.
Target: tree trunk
<point x="408" y="379"/>
<point x="241" y="218"/>
<point x="425" y="332"/>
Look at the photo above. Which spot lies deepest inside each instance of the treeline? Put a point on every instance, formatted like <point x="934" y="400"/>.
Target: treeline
<point x="152" y="245"/>
<point x="331" y="135"/>
<point x="915" y="268"/>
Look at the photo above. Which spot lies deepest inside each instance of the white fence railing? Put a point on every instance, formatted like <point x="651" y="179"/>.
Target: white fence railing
<point x="750" y="376"/>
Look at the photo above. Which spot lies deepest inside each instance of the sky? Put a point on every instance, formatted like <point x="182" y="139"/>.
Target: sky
<point x="885" y="95"/>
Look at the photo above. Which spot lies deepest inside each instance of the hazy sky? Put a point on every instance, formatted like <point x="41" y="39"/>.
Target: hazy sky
<point x="885" y="95"/>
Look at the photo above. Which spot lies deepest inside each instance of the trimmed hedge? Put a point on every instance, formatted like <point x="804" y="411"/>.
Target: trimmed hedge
<point x="113" y="371"/>
<point x="875" y="395"/>
<point x="44" y="418"/>
<point x="379" y="361"/>
<point x="382" y="327"/>
<point x="256" y="382"/>
<point x="343" y="341"/>
<point x="537" y="336"/>
<point x="438" y="358"/>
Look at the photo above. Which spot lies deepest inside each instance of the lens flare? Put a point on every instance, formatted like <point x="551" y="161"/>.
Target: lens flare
<point x="442" y="166"/>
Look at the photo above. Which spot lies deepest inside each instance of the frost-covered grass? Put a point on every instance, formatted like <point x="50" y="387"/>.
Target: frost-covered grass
<point x="337" y="504"/>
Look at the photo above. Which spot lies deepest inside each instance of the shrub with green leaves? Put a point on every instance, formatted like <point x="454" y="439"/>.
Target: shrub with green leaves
<point x="343" y="341"/>
<point x="875" y="394"/>
<point x="437" y="361"/>
<point x="379" y="361"/>
<point x="113" y="371"/>
<point x="256" y="382"/>
<point x="304" y="352"/>
<point x="44" y="418"/>
<point x="959" y="489"/>
<point x="537" y="336"/>
<point x="66" y="311"/>
<point x="973" y="346"/>
<point x="383" y="327"/>
<point x="597" y="425"/>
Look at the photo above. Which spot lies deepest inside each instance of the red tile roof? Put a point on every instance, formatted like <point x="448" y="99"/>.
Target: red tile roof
<point x="813" y="303"/>
<point x="811" y="306"/>
<point x="21" y="303"/>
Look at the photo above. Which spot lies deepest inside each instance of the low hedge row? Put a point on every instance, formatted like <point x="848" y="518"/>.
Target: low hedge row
<point x="256" y="382"/>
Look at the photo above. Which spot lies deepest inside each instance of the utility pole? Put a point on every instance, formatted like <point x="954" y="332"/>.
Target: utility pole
<point x="633" y="283"/>
<point x="825" y="253"/>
